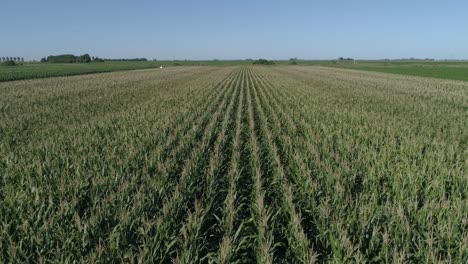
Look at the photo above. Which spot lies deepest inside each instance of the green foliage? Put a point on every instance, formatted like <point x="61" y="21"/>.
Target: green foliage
<point x="455" y="70"/>
<point x="242" y="164"/>
<point x="345" y="59"/>
<point x="84" y="58"/>
<point x="68" y="58"/>
<point x="437" y="70"/>
<point x="44" y="70"/>
<point x="263" y="62"/>
<point x="134" y="59"/>
<point x="8" y="63"/>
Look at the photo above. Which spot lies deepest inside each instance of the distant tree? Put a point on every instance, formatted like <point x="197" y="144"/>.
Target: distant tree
<point x="44" y="59"/>
<point x="345" y="59"/>
<point x="69" y="58"/>
<point x="135" y="59"/>
<point x="97" y="59"/>
<point x="22" y="59"/>
<point x="263" y="62"/>
<point x="2" y="59"/>
<point x="293" y="61"/>
<point x="85" y="58"/>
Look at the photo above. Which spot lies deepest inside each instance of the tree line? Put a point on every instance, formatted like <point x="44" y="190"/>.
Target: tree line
<point x="85" y="58"/>
<point x="67" y="58"/>
<point x="264" y="62"/>
<point x="15" y="59"/>
<point x="134" y="59"/>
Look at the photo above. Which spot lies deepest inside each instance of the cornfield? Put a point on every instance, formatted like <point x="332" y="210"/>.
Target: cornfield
<point x="266" y="164"/>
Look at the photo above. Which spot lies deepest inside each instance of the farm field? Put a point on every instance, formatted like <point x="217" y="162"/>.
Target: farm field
<point x="454" y="70"/>
<point x="280" y="164"/>
<point x="435" y="69"/>
<point x="45" y="70"/>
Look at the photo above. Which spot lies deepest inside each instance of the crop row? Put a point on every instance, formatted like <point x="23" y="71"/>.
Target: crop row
<point x="234" y="165"/>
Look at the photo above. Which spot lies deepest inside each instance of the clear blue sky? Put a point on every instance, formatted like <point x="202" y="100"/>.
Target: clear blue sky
<point x="208" y="29"/>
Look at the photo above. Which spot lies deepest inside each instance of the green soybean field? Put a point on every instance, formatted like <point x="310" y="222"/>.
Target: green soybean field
<point x="234" y="164"/>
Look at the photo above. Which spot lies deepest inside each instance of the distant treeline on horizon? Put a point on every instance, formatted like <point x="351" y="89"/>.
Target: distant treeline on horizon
<point x="85" y="58"/>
